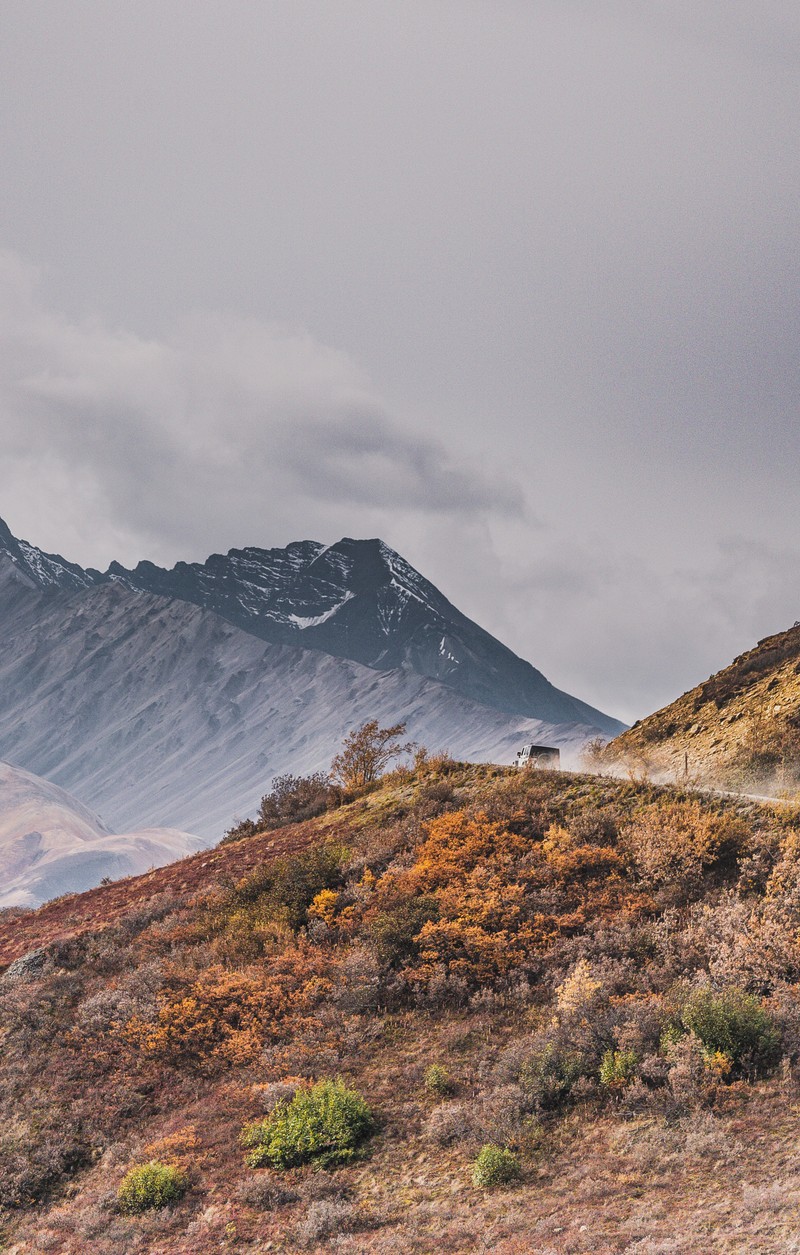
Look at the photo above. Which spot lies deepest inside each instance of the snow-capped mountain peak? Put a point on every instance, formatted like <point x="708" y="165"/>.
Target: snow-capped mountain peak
<point x="47" y="570"/>
<point x="355" y="599"/>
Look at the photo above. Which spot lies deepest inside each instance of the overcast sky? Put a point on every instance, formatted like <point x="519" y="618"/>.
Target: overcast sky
<point x="515" y="286"/>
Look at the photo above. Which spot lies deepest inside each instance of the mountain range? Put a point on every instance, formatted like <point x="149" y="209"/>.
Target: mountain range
<point x="173" y="697"/>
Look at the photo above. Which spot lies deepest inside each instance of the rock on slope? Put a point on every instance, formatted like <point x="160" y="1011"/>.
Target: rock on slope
<point x="51" y="844"/>
<point x="154" y="710"/>
<point x="739" y="729"/>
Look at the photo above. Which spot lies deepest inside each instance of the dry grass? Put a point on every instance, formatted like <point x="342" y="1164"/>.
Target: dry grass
<point x="638" y="1174"/>
<point x="740" y="729"/>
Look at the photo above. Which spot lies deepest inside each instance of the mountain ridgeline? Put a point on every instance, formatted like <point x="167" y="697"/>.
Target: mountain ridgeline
<point x="358" y="599"/>
<point x="173" y="697"/>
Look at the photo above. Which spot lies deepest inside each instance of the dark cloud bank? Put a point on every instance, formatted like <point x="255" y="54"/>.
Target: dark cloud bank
<point x="514" y="286"/>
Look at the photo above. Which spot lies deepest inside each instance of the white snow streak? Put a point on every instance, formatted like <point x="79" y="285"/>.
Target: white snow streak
<point x="319" y="618"/>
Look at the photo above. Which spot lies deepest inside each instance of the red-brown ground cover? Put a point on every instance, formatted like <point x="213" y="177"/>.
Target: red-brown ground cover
<point x="604" y="974"/>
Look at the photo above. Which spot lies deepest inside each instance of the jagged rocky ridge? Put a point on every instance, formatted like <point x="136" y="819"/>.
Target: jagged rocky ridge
<point x="156" y="710"/>
<point x="357" y="599"/>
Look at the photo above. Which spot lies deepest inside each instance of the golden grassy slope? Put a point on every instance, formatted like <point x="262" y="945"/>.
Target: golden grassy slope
<point x="740" y="729"/>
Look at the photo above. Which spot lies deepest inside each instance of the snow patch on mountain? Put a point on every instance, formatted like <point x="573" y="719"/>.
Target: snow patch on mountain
<point x="315" y="620"/>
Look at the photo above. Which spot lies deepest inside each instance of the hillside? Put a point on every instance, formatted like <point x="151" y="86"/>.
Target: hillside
<point x="357" y="600"/>
<point x="50" y="844"/>
<point x="597" y="976"/>
<point x="740" y="729"/>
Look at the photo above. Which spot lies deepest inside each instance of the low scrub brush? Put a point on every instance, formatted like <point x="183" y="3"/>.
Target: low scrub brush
<point x="324" y="1124"/>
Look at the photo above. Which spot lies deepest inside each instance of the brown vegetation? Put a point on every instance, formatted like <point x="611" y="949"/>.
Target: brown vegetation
<point x="560" y="1013"/>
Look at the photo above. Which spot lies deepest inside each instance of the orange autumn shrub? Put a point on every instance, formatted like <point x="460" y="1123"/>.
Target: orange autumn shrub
<point x="225" y="1018"/>
<point x="571" y="858"/>
<point x="457" y="843"/>
<point x="482" y="901"/>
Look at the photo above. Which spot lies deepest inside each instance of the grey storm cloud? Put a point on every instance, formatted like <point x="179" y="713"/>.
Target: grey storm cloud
<point x="224" y="414"/>
<point x="364" y="459"/>
<point x="511" y="283"/>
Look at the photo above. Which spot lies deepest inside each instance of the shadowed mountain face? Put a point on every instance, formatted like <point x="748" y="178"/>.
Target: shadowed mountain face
<point x="357" y="599"/>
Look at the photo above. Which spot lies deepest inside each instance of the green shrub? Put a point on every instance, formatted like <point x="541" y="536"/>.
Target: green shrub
<point x="617" y="1069"/>
<point x="394" y="931"/>
<point x="671" y="1035"/>
<point x="325" y="1124"/>
<point x="549" y="1073"/>
<point x="732" y="1023"/>
<point x="495" y="1166"/>
<point x="437" y="1080"/>
<point x="295" y="798"/>
<point x="243" y="828"/>
<point x="286" y="887"/>
<point x="151" y="1185"/>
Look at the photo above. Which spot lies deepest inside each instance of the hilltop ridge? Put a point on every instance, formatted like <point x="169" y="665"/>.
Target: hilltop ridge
<point x="739" y="729"/>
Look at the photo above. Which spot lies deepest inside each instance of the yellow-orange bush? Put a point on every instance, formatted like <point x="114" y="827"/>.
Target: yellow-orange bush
<point x="225" y="1017"/>
<point x="498" y="898"/>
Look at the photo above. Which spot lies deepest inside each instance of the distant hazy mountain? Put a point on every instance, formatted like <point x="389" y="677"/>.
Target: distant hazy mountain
<point x="357" y="599"/>
<point x="51" y="844"/>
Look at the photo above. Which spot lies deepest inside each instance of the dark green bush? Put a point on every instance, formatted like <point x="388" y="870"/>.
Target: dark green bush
<point x="393" y="931"/>
<point x="151" y="1185"/>
<point x="288" y="886"/>
<point x="495" y="1166"/>
<point x="549" y="1073"/>
<point x="325" y="1124"/>
<point x="294" y="798"/>
<point x="243" y="828"/>
<point x="735" y="1024"/>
